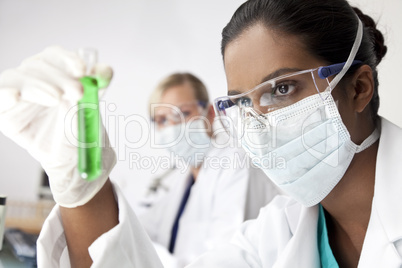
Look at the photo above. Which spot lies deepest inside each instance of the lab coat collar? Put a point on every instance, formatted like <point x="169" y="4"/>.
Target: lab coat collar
<point x="304" y="239"/>
<point x="293" y="212"/>
<point x="388" y="188"/>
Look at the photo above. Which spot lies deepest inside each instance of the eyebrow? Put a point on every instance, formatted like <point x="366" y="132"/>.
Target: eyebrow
<point x="270" y="76"/>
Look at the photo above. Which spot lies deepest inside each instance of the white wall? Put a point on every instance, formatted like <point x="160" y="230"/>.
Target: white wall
<point x="144" y="40"/>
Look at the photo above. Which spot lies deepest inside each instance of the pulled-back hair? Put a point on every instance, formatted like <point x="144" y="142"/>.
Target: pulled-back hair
<point x="177" y="79"/>
<point x="327" y="28"/>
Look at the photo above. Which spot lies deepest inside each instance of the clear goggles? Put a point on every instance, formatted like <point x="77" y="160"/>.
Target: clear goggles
<point x="163" y="115"/>
<point x="274" y="94"/>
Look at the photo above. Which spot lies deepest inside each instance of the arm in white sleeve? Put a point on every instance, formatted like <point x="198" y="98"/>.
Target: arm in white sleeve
<point x="127" y="244"/>
<point x="241" y="251"/>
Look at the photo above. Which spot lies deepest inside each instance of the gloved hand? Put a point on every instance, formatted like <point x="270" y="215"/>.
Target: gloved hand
<point x="37" y="102"/>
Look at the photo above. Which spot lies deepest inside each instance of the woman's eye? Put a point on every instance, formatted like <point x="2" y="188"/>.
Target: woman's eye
<point x="243" y="102"/>
<point x="186" y="113"/>
<point x="160" y="121"/>
<point x="283" y="89"/>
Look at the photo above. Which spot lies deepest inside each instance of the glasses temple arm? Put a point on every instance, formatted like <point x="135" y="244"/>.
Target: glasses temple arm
<point x="327" y="71"/>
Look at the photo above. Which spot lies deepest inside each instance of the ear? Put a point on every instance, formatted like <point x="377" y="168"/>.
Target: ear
<point x="363" y="88"/>
<point x="210" y="116"/>
<point x="211" y="113"/>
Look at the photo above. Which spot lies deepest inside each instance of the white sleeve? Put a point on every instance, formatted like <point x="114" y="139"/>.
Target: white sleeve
<point x="240" y="194"/>
<point x="260" y="191"/>
<point x="229" y="206"/>
<point x="257" y="243"/>
<point x="126" y="244"/>
<point x="241" y="252"/>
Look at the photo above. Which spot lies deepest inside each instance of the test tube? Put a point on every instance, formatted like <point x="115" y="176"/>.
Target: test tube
<point x="89" y="131"/>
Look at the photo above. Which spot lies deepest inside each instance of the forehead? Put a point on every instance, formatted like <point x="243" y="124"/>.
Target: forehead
<point x="177" y="95"/>
<point x="258" y="52"/>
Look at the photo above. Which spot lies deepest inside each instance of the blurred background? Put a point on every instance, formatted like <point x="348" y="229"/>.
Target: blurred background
<point x="145" y="40"/>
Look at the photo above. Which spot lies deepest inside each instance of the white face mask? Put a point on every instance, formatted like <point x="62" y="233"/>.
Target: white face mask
<point x="306" y="150"/>
<point x="189" y="141"/>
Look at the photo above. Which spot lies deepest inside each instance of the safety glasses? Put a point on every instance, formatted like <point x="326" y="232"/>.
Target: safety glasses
<point x="274" y="94"/>
<point x="167" y="114"/>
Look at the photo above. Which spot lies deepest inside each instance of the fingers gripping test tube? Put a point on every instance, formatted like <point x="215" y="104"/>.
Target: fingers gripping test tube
<point x="89" y="131"/>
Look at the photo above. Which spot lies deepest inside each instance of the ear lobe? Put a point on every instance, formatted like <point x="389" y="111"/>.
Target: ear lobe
<point x="363" y="85"/>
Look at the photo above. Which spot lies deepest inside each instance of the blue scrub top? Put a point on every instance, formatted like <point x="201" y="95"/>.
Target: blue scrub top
<point x="326" y="256"/>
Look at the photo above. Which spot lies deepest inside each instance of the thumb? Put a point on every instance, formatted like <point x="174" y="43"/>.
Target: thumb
<point x="104" y="73"/>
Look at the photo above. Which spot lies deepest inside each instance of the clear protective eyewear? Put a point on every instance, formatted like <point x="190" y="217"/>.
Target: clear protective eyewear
<point x="274" y="94"/>
<point x="167" y="114"/>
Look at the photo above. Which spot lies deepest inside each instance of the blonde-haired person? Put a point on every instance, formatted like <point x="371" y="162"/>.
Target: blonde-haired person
<point x="210" y="193"/>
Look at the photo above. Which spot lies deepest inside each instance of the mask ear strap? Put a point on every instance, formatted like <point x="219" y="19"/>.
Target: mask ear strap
<point x="369" y="141"/>
<point x="351" y="57"/>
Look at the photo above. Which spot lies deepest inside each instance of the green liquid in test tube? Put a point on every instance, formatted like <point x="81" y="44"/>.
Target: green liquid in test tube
<point x="89" y="133"/>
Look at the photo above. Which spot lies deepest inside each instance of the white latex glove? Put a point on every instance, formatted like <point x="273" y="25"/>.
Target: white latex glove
<point x="34" y="101"/>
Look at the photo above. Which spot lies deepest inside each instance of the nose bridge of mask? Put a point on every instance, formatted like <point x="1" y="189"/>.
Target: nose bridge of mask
<point x="195" y="144"/>
<point x="193" y="133"/>
<point x="170" y="135"/>
<point x="188" y="141"/>
<point x="250" y="112"/>
<point x="254" y="122"/>
<point x="196" y="132"/>
<point x="261" y="132"/>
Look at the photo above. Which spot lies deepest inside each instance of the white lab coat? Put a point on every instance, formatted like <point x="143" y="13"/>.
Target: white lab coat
<point x="125" y="246"/>
<point x="223" y="196"/>
<point x="284" y="235"/>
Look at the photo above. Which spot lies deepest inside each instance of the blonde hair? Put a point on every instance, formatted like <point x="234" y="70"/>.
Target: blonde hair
<point x="177" y="79"/>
